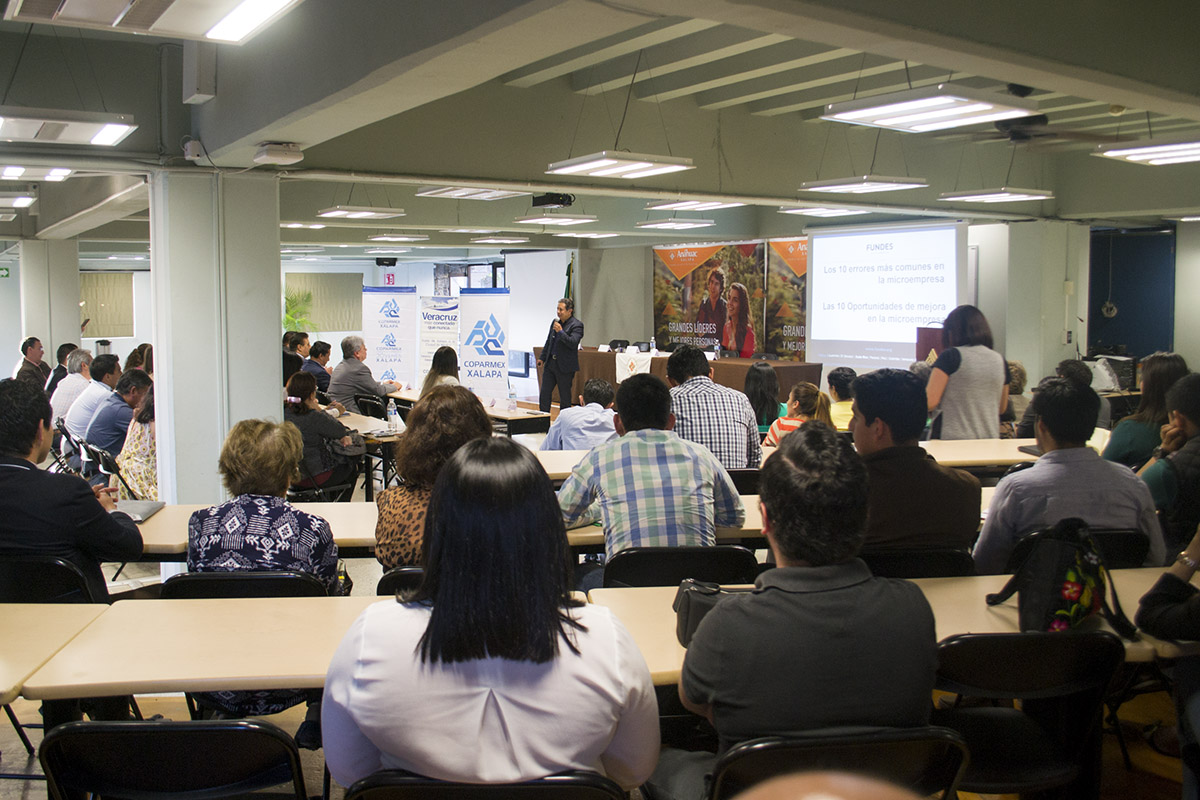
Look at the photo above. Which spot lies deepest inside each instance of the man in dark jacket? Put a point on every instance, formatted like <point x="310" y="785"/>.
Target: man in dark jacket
<point x="560" y="355"/>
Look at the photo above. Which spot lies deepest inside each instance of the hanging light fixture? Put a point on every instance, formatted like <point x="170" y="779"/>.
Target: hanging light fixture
<point x="614" y="164"/>
<point x="863" y="185"/>
<point x="1153" y="152"/>
<point x="1003" y="194"/>
<point x="689" y="205"/>
<point x="48" y="126"/>
<point x="676" y="224"/>
<point x="360" y="212"/>
<point x="823" y="212"/>
<point x="929" y="108"/>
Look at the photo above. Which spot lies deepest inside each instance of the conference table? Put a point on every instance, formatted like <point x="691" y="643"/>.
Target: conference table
<point x="32" y="633"/>
<point x="512" y="422"/>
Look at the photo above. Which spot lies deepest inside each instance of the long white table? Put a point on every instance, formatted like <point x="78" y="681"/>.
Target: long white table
<point x="519" y="420"/>
<point x="31" y="634"/>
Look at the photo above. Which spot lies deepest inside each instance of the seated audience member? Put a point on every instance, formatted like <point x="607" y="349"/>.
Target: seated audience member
<point x="60" y="370"/>
<point x="439" y="424"/>
<point x="59" y="515"/>
<point x="710" y="414"/>
<point x="1134" y="438"/>
<point x="147" y="358"/>
<point x="922" y="369"/>
<point x="586" y="425"/>
<point x="809" y="646"/>
<point x="318" y="357"/>
<point x="259" y="530"/>
<point x="134" y="359"/>
<point x="1075" y="371"/>
<point x="913" y="501"/>
<point x="293" y="360"/>
<point x="1069" y="480"/>
<point x="111" y="420"/>
<point x="839" y="380"/>
<point x="79" y="364"/>
<point x="443" y="371"/>
<point x="510" y="678"/>
<point x="1173" y="471"/>
<point x="650" y="486"/>
<point x="805" y="402"/>
<point x="322" y="466"/>
<point x="762" y="390"/>
<point x="1171" y="610"/>
<point x="352" y="376"/>
<point x="139" y="457"/>
<point x="105" y="371"/>
<point x="1017" y="380"/>
<point x="33" y="370"/>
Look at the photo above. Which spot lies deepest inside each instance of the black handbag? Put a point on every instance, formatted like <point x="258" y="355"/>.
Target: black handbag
<point x="1063" y="582"/>
<point x="693" y="600"/>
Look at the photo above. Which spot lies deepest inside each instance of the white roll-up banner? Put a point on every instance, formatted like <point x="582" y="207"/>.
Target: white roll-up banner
<point x="389" y="318"/>
<point x="438" y="328"/>
<point x="484" y="333"/>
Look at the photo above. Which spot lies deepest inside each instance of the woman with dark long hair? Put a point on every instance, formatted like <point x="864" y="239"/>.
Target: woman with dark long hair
<point x="969" y="381"/>
<point x="762" y="387"/>
<point x="1134" y="438"/>
<point x="321" y="466"/>
<point x="739" y="334"/>
<point x="490" y="672"/>
<point x="441" y="422"/>
<point x="443" y="371"/>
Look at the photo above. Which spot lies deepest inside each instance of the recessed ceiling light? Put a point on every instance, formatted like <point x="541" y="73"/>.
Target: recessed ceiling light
<point x="823" y="212"/>
<point x="469" y="193"/>
<point x="930" y="108"/>
<point x="549" y="218"/>
<point x="500" y="240"/>
<point x="676" y="224"/>
<point x="616" y="164"/>
<point x="1003" y="194"/>
<point x="689" y="205"/>
<point x="398" y="237"/>
<point x="360" y="212"/>
<point x="863" y="185"/>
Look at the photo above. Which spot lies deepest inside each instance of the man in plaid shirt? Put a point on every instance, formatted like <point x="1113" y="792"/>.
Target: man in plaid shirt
<point x="707" y="413"/>
<point x="653" y="488"/>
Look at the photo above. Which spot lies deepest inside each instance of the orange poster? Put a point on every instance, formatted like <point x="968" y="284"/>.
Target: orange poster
<point x="682" y="260"/>
<point x="710" y="296"/>
<point x="793" y="253"/>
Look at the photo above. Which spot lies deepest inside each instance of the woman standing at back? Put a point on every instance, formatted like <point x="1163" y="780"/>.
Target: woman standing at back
<point x="969" y="381"/>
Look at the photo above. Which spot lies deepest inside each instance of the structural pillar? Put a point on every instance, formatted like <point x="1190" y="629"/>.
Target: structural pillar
<point x="217" y="288"/>
<point x="49" y="277"/>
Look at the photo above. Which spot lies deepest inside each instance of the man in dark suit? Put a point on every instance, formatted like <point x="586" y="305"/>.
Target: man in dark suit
<point x="60" y="371"/>
<point x="560" y="355"/>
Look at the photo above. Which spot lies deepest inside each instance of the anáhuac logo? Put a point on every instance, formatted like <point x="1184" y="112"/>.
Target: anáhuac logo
<point x="389" y="375"/>
<point x="487" y="338"/>
<point x="388" y="341"/>
<point x="390" y="309"/>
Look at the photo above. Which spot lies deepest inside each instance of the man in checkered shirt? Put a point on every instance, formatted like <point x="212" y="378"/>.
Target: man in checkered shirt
<point x="707" y="413"/>
<point x="651" y="488"/>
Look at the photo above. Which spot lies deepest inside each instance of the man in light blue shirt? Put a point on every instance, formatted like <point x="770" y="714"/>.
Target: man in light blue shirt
<point x="1069" y="480"/>
<point x="586" y="425"/>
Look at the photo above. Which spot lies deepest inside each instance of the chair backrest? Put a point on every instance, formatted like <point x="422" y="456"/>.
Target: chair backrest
<point x="614" y="344"/>
<point x="196" y="760"/>
<point x="926" y="760"/>
<point x="42" y="579"/>
<point x="400" y="785"/>
<point x="668" y="566"/>
<point x="1029" y="666"/>
<point x="764" y="356"/>
<point x="283" y="583"/>
<point x="919" y="563"/>
<point x="730" y="354"/>
<point x="399" y="579"/>
<point x="745" y="480"/>
<point x="643" y="347"/>
<point x="1121" y="548"/>
<point x="370" y="405"/>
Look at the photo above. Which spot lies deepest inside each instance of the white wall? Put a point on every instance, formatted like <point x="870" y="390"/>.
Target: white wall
<point x="992" y="278"/>
<point x="1187" y="289"/>
<point x="615" y="295"/>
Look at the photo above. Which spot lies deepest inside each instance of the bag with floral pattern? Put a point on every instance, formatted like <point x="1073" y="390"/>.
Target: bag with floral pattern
<point x="1063" y="582"/>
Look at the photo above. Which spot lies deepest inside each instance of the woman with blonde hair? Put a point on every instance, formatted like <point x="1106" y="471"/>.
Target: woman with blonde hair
<point x="806" y="401"/>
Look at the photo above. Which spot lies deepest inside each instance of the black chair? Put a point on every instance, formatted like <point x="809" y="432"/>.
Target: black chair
<point x="668" y="566"/>
<point x="1053" y="739"/>
<point x="369" y="405"/>
<point x="108" y="465"/>
<point x="272" y="583"/>
<point x="310" y="492"/>
<point x="642" y="347"/>
<point x="1121" y="548"/>
<point x="399" y="579"/>
<point x="194" y="760"/>
<point x="43" y="579"/>
<point x="400" y="785"/>
<point x="764" y="356"/>
<point x="927" y="760"/>
<point x="616" y="344"/>
<point x="745" y="480"/>
<point x="730" y="354"/>
<point x="919" y="563"/>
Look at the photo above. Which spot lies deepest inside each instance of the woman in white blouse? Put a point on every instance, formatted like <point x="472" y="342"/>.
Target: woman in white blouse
<point x="490" y="672"/>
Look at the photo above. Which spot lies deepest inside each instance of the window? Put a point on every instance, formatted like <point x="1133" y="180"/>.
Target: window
<point x="107" y="301"/>
<point x="336" y="298"/>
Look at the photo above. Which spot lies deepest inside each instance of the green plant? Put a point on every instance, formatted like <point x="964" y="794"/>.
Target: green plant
<point x="296" y="308"/>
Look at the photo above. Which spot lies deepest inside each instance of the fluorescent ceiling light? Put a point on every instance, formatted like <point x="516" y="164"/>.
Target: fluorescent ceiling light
<point x="398" y="237"/>
<point x="303" y="250"/>
<point x="614" y="164"/>
<point x="583" y="235"/>
<point x="549" y="218"/>
<point x="471" y="230"/>
<point x="386" y="251"/>
<point x="863" y="185"/>
<point x="1004" y="194"/>
<point x="1186" y="219"/>
<point x="500" y="240"/>
<point x="248" y="17"/>
<point x="12" y="173"/>
<point x="360" y="212"/>
<point x="7" y="217"/>
<point x="294" y="225"/>
<point x="930" y="108"/>
<point x="31" y="174"/>
<point x="823" y="212"/>
<point x="47" y="126"/>
<point x="1155" y="153"/>
<point x="468" y="193"/>
<point x="15" y="200"/>
<point x="690" y="205"/>
<point x="676" y="224"/>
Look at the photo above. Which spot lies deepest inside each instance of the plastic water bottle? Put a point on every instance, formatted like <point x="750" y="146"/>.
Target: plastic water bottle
<point x="653" y="346"/>
<point x="393" y="417"/>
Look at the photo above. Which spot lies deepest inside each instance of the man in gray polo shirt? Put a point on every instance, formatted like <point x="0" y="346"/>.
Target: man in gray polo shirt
<point x="819" y="643"/>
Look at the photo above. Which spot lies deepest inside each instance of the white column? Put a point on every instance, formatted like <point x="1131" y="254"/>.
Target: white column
<point x="49" y="274"/>
<point x="216" y="278"/>
<point x="1187" y="289"/>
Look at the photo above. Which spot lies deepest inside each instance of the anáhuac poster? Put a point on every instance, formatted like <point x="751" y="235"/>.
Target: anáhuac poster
<point x="710" y="294"/>
<point x="787" y="288"/>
